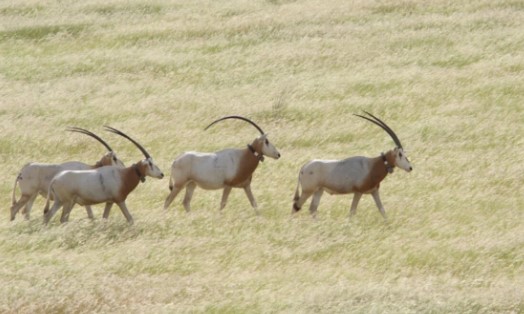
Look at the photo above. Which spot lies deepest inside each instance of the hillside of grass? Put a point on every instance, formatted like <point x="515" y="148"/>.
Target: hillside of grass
<point x="447" y="76"/>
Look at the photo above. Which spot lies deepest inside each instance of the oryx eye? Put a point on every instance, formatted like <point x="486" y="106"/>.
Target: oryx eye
<point x="267" y="142"/>
<point x="114" y="159"/>
<point x="400" y="154"/>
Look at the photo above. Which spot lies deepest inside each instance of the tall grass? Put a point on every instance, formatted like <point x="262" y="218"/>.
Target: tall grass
<point x="447" y="76"/>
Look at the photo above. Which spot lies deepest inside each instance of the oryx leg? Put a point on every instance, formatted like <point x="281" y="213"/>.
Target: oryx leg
<point x="376" y="197"/>
<point x="297" y="205"/>
<point x="354" y="203"/>
<point x="21" y="202"/>
<point x="126" y="213"/>
<point x="225" y="195"/>
<point x="89" y="212"/>
<point x="66" y="211"/>
<point x="251" y="198"/>
<point x="190" y="188"/>
<point x="315" y="201"/>
<point x="48" y="214"/>
<point x="107" y="209"/>
<point x="174" y="192"/>
<point x="29" y="206"/>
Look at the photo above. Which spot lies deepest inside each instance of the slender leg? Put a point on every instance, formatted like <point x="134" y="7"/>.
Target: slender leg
<point x="48" y="215"/>
<point x="126" y="213"/>
<point x="89" y="212"/>
<point x="376" y="197"/>
<point x="190" y="188"/>
<point x="354" y="204"/>
<point x="225" y="195"/>
<point x="174" y="192"/>
<point x="16" y="206"/>
<point x="315" y="201"/>
<point x="66" y="211"/>
<point x="107" y="209"/>
<point x="29" y="206"/>
<point x="251" y="198"/>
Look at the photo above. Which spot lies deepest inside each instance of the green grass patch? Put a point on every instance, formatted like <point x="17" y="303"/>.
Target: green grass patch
<point x="41" y="32"/>
<point x="24" y="10"/>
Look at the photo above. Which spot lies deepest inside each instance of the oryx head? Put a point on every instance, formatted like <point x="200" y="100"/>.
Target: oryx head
<point x="150" y="168"/>
<point x="401" y="160"/>
<point x="109" y="158"/>
<point x="261" y="144"/>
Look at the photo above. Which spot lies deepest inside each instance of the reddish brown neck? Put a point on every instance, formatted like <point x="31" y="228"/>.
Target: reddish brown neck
<point x="140" y="171"/>
<point x="378" y="172"/>
<point x="131" y="176"/>
<point x="388" y="159"/>
<point x="100" y="163"/>
<point x="248" y="163"/>
<point x="106" y="160"/>
<point x="256" y="149"/>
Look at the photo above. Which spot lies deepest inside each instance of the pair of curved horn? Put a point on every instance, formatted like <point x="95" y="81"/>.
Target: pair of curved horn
<point x="383" y="125"/>
<point x="240" y="118"/>
<point x="142" y="149"/>
<point x="89" y="133"/>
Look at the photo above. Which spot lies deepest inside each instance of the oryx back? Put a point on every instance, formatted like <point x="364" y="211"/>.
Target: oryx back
<point x="35" y="177"/>
<point x="88" y="187"/>
<point x="208" y="170"/>
<point x="335" y="176"/>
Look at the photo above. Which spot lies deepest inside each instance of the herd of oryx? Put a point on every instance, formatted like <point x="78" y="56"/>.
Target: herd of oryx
<point x="109" y="181"/>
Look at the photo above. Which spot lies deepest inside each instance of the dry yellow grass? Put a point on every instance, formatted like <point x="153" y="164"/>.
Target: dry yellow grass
<point x="447" y="76"/>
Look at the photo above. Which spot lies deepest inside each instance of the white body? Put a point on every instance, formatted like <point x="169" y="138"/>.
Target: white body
<point x="335" y="176"/>
<point x="89" y="187"/>
<point x="209" y="171"/>
<point x="103" y="185"/>
<point x="225" y="169"/>
<point x="358" y="175"/>
<point x="34" y="178"/>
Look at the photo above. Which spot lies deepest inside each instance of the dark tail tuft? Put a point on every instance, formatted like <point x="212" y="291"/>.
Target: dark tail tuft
<point x="295" y="207"/>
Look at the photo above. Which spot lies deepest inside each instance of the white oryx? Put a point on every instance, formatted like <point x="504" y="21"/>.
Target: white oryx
<point x="358" y="175"/>
<point x="225" y="169"/>
<point x="34" y="178"/>
<point x="103" y="185"/>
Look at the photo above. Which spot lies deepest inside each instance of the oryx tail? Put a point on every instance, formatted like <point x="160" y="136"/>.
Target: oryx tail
<point x="14" y="188"/>
<point x="48" y="200"/>
<point x="297" y="196"/>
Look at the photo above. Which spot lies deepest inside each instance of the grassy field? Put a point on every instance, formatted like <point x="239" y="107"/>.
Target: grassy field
<point x="448" y="76"/>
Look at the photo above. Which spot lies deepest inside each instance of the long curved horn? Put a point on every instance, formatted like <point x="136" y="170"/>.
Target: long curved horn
<point x="390" y="131"/>
<point x="240" y="118"/>
<point x="383" y="125"/>
<point x="93" y="135"/>
<point x="142" y="149"/>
